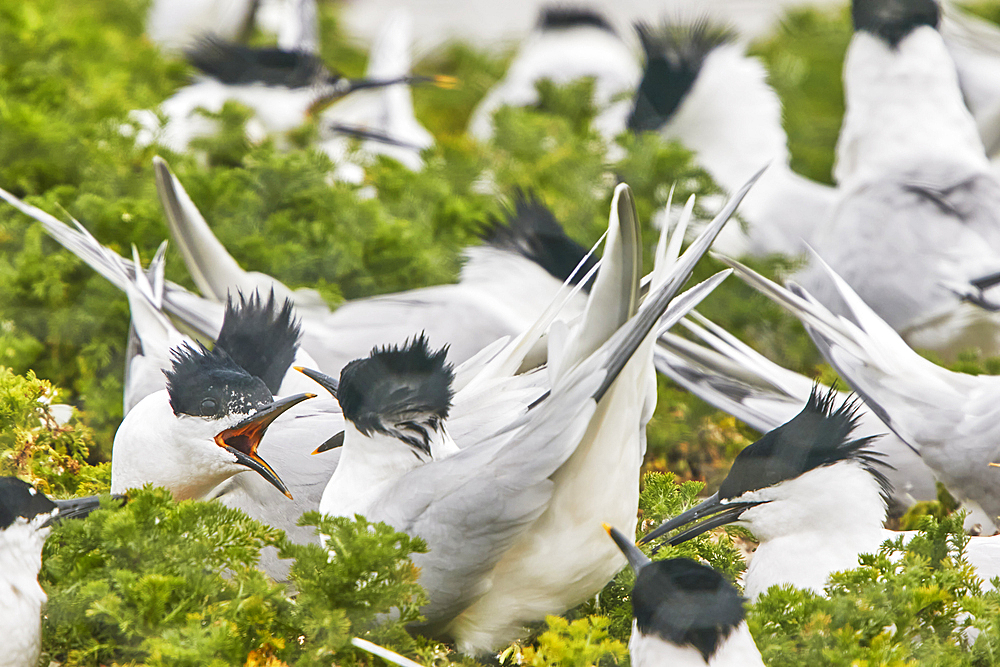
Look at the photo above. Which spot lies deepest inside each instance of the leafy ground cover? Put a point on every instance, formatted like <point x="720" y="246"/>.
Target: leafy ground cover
<point x="161" y="583"/>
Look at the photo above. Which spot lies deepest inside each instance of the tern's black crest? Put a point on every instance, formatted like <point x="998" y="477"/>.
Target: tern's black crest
<point x="400" y="390"/>
<point x="20" y="499"/>
<point x="674" y="56"/>
<point x="204" y="383"/>
<point x="531" y="230"/>
<point x="686" y="604"/>
<point x="260" y="337"/>
<point x="818" y="436"/>
<point x="235" y="64"/>
<point x="892" y="20"/>
<point x="558" y="16"/>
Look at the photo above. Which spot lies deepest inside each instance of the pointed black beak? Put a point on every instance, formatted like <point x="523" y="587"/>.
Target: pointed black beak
<point x="345" y="87"/>
<point x="715" y="512"/>
<point x="334" y="442"/>
<point x="636" y="558"/>
<point x="243" y="439"/>
<point x="77" y="508"/>
<point x="322" y="379"/>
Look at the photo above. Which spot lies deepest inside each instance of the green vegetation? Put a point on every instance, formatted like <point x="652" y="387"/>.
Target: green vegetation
<point x="161" y="583"/>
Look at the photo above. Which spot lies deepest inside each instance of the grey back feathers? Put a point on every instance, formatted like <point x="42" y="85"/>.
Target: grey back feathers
<point x="398" y="388"/>
<point x="20" y="499"/>
<point x="235" y="64"/>
<point x="532" y="231"/>
<point x="563" y="17"/>
<point x="687" y="604"/>
<point x="674" y="56"/>
<point x="818" y="436"/>
<point x="261" y="338"/>
<point x="208" y="383"/>
<point x="892" y="20"/>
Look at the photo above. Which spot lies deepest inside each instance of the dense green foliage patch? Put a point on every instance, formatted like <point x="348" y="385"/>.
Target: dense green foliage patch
<point x="161" y="583"/>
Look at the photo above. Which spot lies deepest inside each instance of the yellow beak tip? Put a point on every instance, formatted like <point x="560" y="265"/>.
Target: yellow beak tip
<point x="607" y="528"/>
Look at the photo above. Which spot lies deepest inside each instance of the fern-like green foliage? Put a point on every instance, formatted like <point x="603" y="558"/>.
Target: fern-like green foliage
<point x="580" y="643"/>
<point x="916" y="602"/>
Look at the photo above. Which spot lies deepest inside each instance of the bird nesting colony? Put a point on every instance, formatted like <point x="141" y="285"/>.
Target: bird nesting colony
<point x="435" y="366"/>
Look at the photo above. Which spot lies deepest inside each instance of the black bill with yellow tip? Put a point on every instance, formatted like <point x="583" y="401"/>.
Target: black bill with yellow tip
<point x="636" y="558"/>
<point x="716" y="513"/>
<point x="243" y="439"/>
<point x="322" y="379"/>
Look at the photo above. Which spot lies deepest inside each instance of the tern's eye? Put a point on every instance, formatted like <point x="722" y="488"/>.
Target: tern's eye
<point x="209" y="407"/>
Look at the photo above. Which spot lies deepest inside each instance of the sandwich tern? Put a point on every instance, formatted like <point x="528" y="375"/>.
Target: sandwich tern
<point x="684" y="613"/>
<point x="919" y="209"/>
<point x="491" y="508"/>
<point x="568" y="43"/>
<point x="25" y="517"/>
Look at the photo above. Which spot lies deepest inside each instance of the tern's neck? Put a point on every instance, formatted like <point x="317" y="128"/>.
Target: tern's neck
<point x="21" y="559"/>
<point x="817" y="523"/>
<point x="903" y="106"/>
<point x="731" y="118"/>
<point x="371" y="464"/>
<point x="736" y="650"/>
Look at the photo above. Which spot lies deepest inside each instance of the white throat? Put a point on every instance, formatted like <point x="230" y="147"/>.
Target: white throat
<point x="903" y="106"/>
<point x="815" y="524"/>
<point x="371" y="464"/>
<point x="21" y="598"/>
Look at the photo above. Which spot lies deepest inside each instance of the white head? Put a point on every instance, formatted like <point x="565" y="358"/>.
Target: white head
<point x="805" y="473"/>
<point x="203" y="429"/>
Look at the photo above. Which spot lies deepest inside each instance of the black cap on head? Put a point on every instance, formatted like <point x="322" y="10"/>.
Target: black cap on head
<point x="817" y="436"/>
<point x="674" y="56"/>
<point x="398" y="384"/>
<point x="892" y="20"/>
<point x="532" y="231"/>
<point x="687" y="604"/>
<point x="566" y="16"/>
<point x="20" y="499"/>
<point x="260" y="337"/>
<point x="235" y="64"/>
<point x="208" y="383"/>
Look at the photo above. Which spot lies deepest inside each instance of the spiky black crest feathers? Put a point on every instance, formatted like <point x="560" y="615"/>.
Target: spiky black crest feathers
<point x="208" y="383"/>
<point x="818" y="436"/>
<point x="892" y="20"/>
<point x="674" y="56"/>
<point x="260" y="337"/>
<point x="397" y="389"/>
<point x="532" y="231"/>
<point x="565" y="16"/>
<point x="20" y="499"/>
<point x="235" y="64"/>
<point x="687" y="604"/>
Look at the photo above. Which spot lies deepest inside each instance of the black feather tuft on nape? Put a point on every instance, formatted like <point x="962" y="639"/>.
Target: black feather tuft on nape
<point x="260" y="337"/>
<point x="818" y="436"/>
<point x="208" y="383"/>
<point x="565" y="16"/>
<point x="235" y="64"/>
<point x="686" y="604"/>
<point x="674" y="56"/>
<point x="892" y="20"/>
<point x="532" y="231"/>
<point x="399" y="390"/>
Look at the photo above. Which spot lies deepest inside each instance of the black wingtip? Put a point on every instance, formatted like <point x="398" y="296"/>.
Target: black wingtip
<point x="687" y="604"/>
<point x="566" y="16"/>
<point x="675" y="54"/>
<point x="394" y="381"/>
<point x="260" y="336"/>
<point x="531" y="230"/>
<point x="893" y="20"/>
